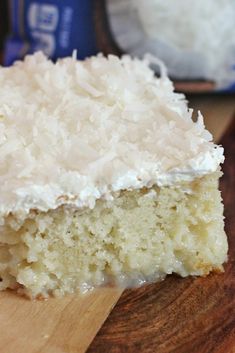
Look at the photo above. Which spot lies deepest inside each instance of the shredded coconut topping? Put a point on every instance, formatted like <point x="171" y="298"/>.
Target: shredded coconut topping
<point x="76" y="131"/>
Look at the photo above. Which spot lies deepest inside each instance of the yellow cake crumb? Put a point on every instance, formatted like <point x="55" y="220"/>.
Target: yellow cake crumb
<point x="141" y="235"/>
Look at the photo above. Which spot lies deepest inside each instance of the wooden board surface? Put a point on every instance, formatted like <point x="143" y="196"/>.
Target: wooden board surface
<point x="64" y="325"/>
<point x="68" y="325"/>
<point x="217" y="110"/>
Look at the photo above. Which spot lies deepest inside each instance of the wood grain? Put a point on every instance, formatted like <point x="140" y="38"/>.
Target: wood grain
<point x="63" y="325"/>
<point x="192" y="315"/>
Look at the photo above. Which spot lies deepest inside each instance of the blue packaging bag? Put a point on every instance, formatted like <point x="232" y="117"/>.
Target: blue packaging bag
<point x="56" y="27"/>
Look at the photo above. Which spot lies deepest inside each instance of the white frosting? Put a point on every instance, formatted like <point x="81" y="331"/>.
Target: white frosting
<point x="74" y="132"/>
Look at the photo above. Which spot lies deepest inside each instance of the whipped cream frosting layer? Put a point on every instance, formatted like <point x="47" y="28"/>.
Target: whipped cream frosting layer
<point x="76" y="131"/>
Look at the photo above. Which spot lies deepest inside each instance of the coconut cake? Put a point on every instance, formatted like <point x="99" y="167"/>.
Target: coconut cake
<point x="105" y="178"/>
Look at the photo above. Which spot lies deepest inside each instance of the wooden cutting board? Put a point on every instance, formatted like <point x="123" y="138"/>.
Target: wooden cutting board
<point x="159" y="318"/>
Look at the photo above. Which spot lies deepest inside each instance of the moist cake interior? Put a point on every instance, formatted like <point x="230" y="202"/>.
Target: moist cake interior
<point x="141" y="235"/>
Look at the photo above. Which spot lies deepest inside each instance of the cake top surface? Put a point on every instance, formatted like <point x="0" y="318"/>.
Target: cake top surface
<point x="76" y="131"/>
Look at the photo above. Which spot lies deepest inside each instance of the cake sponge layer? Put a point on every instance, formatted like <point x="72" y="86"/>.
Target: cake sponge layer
<point x="140" y="235"/>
